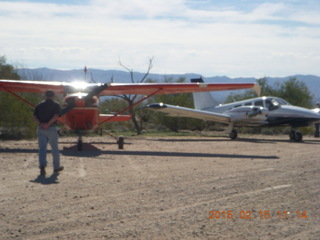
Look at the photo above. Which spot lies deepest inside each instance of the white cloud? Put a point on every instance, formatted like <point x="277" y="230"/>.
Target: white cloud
<point x="181" y="39"/>
<point x="150" y="8"/>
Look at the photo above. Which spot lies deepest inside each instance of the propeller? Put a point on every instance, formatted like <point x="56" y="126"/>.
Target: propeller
<point x="96" y="90"/>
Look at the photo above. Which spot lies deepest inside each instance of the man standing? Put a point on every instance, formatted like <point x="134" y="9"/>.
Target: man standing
<point x="46" y="114"/>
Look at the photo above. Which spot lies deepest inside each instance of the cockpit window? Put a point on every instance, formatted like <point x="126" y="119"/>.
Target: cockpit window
<point x="272" y="104"/>
<point x="282" y="101"/>
<point x="268" y="103"/>
<point x="275" y="103"/>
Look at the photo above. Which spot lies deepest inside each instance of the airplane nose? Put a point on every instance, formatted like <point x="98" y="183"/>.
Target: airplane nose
<point x="317" y="115"/>
<point x="316" y="110"/>
<point x="313" y="116"/>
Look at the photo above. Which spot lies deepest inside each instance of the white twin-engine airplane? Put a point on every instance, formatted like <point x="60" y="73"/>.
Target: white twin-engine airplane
<point x="261" y="111"/>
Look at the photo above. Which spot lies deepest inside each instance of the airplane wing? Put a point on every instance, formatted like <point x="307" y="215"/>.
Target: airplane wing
<point x="120" y="88"/>
<point x="170" y="88"/>
<point x="176" y="111"/>
<point x="32" y="86"/>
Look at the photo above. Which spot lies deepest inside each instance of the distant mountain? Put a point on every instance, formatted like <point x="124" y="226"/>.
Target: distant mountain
<point x="46" y="74"/>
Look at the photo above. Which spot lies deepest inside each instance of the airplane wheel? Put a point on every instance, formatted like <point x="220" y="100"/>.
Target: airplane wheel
<point x="298" y="137"/>
<point x="120" y="142"/>
<point x="233" y="134"/>
<point x="79" y="145"/>
<point x="295" y="136"/>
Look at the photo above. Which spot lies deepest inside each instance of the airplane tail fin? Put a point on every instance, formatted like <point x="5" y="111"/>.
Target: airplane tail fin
<point x="203" y="100"/>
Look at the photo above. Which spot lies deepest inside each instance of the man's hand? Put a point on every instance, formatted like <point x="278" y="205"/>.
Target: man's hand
<point x="44" y="126"/>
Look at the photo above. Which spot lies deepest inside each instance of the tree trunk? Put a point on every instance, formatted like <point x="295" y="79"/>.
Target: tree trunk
<point x="135" y="123"/>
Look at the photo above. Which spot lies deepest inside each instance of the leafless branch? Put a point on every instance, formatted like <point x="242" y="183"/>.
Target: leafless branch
<point x="130" y="70"/>
<point x="150" y="66"/>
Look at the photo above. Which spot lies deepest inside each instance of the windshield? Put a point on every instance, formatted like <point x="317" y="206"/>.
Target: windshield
<point x="280" y="101"/>
<point x="274" y="103"/>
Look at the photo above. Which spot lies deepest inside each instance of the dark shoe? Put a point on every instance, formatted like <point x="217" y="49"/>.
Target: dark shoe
<point x="58" y="169"/>
<point x="42" y="171"/>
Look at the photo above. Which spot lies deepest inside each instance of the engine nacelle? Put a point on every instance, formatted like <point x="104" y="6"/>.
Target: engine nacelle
<point x="248" y="113"/>
<point x="81" y="100"/>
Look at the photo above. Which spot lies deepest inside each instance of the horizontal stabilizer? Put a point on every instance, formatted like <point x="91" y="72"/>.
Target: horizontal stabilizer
<point x="113" y="118"/>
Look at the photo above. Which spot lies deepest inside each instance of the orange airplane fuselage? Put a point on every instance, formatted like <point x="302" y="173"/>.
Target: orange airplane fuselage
<point x="82" y="118"/>
<point x="84" y="115"/>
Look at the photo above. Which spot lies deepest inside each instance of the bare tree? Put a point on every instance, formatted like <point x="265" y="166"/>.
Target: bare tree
<point x="131" y="99"/>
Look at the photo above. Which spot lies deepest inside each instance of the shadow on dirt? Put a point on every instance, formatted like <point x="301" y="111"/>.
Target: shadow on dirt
<point x="90" y="150"/>
<point x="53" y="179"/>
<point x="224" y="139"/>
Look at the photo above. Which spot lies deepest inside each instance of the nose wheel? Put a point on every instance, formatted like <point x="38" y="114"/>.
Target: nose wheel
<point x="234" y="134"/>
<point x="120" y="142"/>
<point x="79" y="144"/>
<point x="295" y="136"/>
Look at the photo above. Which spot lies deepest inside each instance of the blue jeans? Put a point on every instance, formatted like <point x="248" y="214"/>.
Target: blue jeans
<point x="44" y="136"/>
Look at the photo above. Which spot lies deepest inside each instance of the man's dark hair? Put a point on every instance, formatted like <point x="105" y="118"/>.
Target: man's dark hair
<point x="49" y="93"/>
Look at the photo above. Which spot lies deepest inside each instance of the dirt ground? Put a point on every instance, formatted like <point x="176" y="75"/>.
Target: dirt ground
<point x="259" y="187"/>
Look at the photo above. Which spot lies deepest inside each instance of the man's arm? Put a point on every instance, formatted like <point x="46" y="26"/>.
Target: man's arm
<point x="36" y="119"/>
<point x="52" y="120"/>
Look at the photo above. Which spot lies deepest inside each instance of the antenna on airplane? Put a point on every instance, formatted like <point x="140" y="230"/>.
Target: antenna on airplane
<point x="86" y="75"/>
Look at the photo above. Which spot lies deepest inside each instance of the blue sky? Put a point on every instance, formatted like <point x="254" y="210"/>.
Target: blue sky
<point x="235" y="38"/>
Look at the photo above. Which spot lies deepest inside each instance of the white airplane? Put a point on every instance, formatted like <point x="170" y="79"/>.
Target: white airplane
<point x="261" y="111"/>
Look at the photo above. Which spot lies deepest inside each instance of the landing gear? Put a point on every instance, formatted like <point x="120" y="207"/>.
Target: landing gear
<point x="234" y="134"/>
<point x="120" y="142"/>
<point x="79" y="144"/>
<point x="295" y="136"/>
